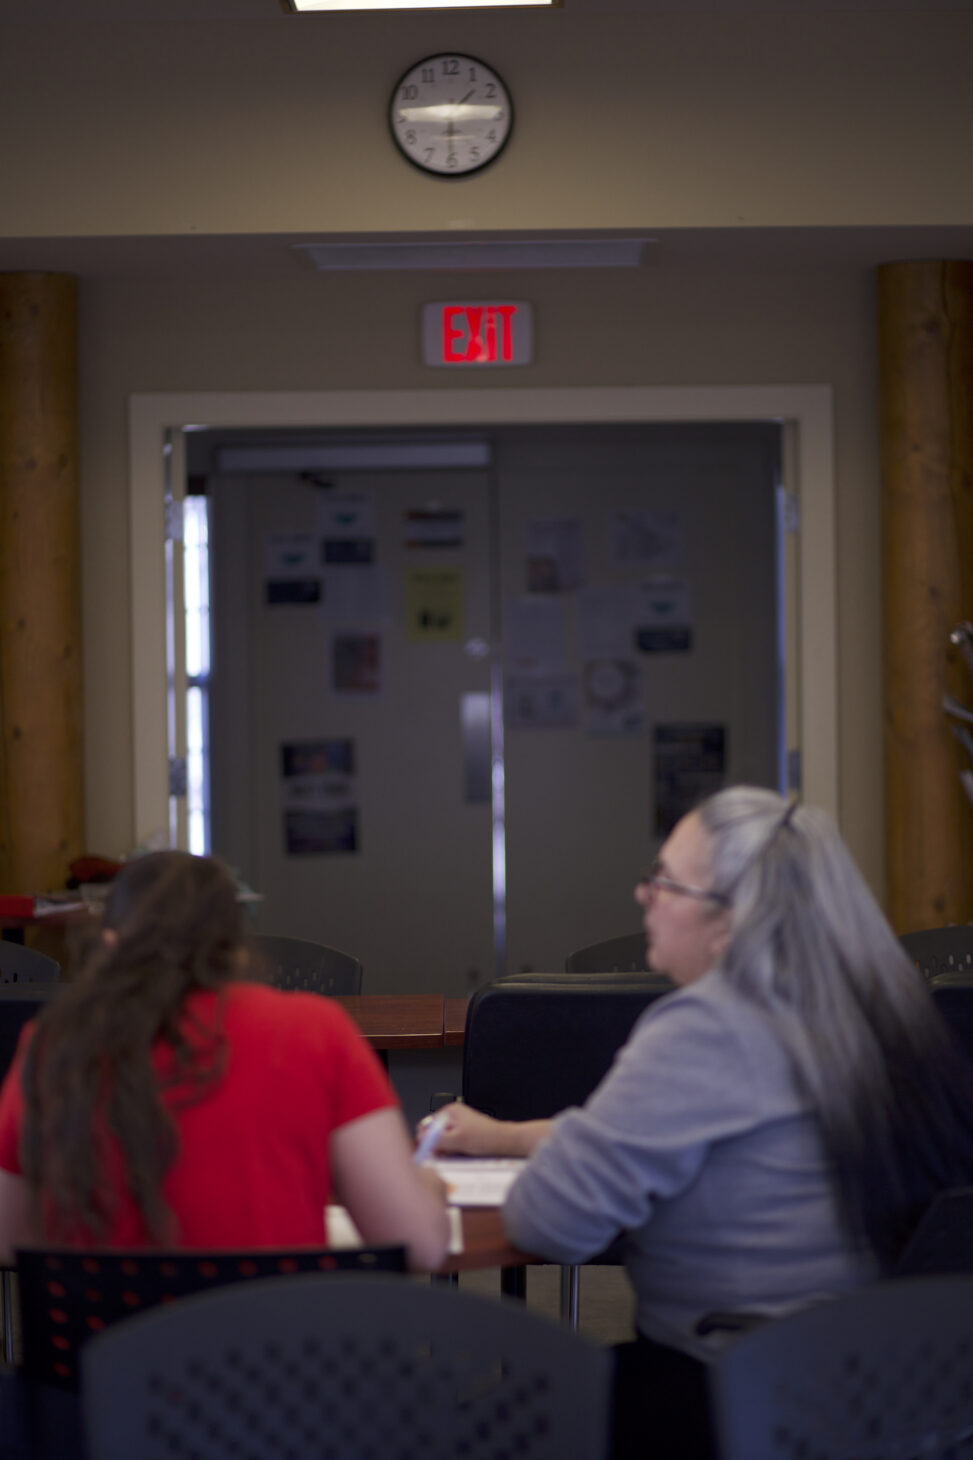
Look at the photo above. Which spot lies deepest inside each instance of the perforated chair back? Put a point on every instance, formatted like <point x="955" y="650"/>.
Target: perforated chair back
<point x="296" y="964"/>
<point x="941" y="950"/>
<point x="19" y="964"/>
<point x="614" y="955"/>
<point x="339" y="1369"/>
<point x="66" y="1296"/>
<point x="534" y="1047"/>
<point x="879" y="1374"/>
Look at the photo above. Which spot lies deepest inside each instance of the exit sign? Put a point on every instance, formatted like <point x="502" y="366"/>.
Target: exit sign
<point x="480" y="333"/>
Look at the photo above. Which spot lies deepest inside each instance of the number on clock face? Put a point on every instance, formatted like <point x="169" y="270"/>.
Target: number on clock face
<point x="450" y="115"/>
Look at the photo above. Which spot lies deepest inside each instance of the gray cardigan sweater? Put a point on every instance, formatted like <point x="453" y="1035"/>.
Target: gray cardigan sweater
<point x="699" y="1144"/>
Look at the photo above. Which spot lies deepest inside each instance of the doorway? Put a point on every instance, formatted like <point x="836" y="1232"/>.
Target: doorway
<point x="603" y="598"/>
<point x="556" y="817"/>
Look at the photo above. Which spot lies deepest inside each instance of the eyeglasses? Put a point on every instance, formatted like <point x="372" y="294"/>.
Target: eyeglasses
<point x="655" y="877"/>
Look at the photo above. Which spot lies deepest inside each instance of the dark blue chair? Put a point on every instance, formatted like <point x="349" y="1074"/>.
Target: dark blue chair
<point x="344" y="1367"/>
<point x="882" y="1373"/>
<point x="537" y="1043"/>
<point x="296" y="963"/>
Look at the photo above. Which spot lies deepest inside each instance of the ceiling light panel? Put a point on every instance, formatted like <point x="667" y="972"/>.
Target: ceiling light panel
<point x="307" y="5"/>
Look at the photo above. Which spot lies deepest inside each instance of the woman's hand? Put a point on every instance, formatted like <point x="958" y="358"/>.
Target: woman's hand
<point x="469" y="1132"/>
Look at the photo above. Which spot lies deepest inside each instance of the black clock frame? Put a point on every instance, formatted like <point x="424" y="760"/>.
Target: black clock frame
<point x="469" y="171"/>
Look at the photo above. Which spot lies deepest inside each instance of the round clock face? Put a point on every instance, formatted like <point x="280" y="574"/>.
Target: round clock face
<point x="450" y="115"/>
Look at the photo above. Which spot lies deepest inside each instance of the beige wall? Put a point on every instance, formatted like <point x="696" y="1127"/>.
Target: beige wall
<point x="675" y="117"/>
<point x="678" y="117"/>
<point x="671" y="323"/>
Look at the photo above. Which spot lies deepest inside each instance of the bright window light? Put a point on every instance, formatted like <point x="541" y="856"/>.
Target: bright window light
<point x="196" y="577"/>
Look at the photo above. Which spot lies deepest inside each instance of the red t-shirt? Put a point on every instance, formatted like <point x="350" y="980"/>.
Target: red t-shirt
<point x="252" y="1168"/>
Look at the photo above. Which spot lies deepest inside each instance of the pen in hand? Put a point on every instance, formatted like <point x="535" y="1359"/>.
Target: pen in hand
<point x="431" y="1129"/>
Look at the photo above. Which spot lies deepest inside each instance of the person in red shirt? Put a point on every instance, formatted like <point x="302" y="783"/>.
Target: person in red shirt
<point x="166" y="1099"/>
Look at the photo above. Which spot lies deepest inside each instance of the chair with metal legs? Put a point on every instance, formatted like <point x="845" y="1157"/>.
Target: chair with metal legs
<point x="536" y="1044"/>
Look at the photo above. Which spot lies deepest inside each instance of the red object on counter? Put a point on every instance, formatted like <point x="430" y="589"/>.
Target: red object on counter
<point x="16" y="905"/>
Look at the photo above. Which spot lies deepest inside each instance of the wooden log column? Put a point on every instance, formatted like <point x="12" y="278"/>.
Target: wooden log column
<point x="926" y="382"/>
<point x="41" y="766"/>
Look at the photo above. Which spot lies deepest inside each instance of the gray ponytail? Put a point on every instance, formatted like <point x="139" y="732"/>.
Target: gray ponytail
<point x="809" y="944"/>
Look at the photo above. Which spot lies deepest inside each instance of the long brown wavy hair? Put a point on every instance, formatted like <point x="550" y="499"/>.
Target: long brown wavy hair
<point x="172" y="925"/>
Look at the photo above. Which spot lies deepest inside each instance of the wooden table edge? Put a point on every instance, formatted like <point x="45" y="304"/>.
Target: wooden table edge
<point x="454" y="1022"/>
<point x="375" y="1015"/>
<point x="485" y="1245"/>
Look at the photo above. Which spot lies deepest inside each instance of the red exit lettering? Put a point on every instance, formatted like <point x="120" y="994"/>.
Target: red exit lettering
<point x="478" y="334"/>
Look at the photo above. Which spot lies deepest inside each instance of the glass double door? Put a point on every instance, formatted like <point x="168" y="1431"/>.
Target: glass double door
<point x="617" y="589"/>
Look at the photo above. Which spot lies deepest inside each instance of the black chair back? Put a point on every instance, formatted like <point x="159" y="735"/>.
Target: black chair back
<point x="943" y="1239"/>
<point x="344" y="1368"/>
<point x="941" y="950"/>
<point x="67" y="1295"/>
<point x="614" y="955"/>
<point x="953" y="997"/>
<point x="613" y="978"/>
<point x="19" y="1003"/>
<point x="536" y="1043"/>
<point x="534" y="1047"/>
<point x="19" y="964"/>
<point x="297" y="964"/>
<point x="879" y="1373"/>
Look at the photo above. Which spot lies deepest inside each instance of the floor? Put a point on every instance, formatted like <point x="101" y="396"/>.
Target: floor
<point x="606" y="1307"/>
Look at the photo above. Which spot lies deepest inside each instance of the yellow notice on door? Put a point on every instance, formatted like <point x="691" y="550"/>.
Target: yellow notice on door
<point x="435" y="604"/>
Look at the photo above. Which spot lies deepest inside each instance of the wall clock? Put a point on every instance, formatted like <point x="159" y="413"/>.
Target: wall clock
<point x="450" y="115"/>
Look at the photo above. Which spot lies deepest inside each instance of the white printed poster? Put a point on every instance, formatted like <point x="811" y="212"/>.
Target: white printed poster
<point x="612" y="694"/>
<point x="356" y="664"/>
<point x="346" y="522"/>
<point x="292" y="572"/>
<point x="432" y="527"/>
<point x="351" y="594"/>
<point x="555" y="555"/>
<point x="604" y="618"/>
<point x="534" y="634"/>
<point x="546" y="702"/>
<point x="647" y="540"/>
<point x="663" y="614"/>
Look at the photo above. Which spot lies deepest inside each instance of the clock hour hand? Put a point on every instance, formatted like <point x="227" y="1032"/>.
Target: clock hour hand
<point x="467" y="96"/>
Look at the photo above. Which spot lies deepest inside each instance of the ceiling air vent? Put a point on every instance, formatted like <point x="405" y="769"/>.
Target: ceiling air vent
<point x="533" y="253"/>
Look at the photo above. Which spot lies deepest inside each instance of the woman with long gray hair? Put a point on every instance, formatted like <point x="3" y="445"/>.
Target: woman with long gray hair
<point x="772" y="1129"/>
